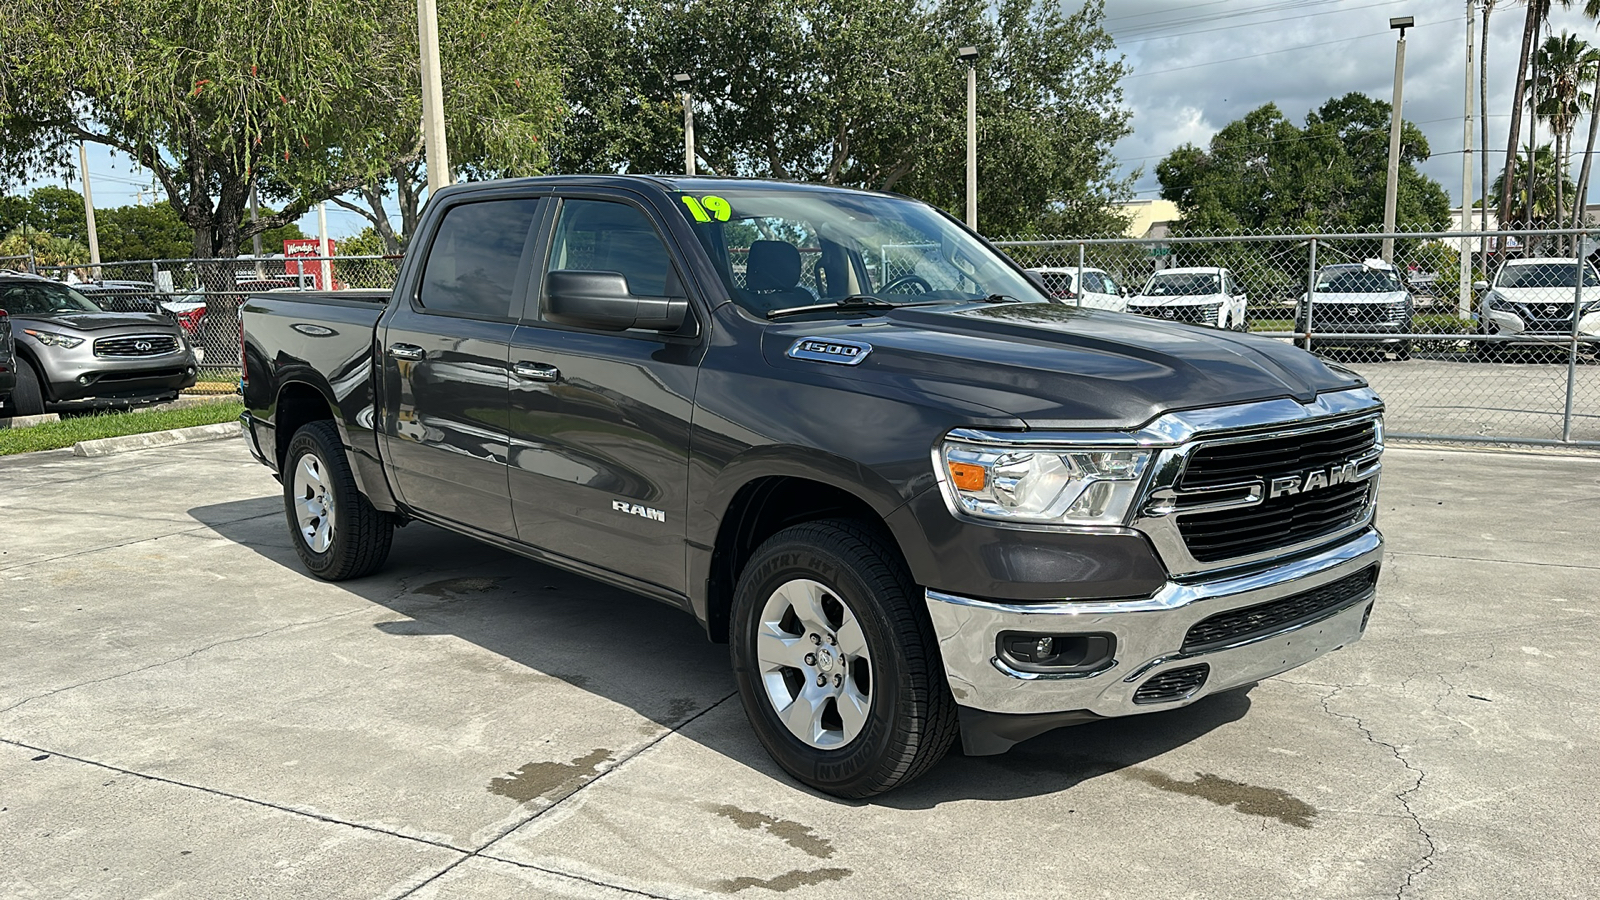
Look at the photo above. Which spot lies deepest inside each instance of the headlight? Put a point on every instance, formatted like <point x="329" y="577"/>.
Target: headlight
<point x="1500" y="303"/>
<point x="1044" y="486"/>
<point x="51" y="339"/>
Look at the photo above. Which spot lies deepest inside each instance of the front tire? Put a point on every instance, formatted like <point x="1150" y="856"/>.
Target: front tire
<point x="27" y="398"/>
<point x="335" y="529"/>
<point x="838" y="670"/>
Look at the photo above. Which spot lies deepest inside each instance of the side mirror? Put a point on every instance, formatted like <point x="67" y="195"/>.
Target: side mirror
<point x="601" y="300"/>
<point x="1480" y="285"/>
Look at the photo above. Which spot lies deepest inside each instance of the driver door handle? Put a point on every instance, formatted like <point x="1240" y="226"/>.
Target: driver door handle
<point x="536" y="371"/>
<point x="406" y="351"/>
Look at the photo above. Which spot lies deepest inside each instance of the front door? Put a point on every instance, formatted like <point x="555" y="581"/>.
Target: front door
<point x="446" y="365"/>
<point x="599" y="421"/>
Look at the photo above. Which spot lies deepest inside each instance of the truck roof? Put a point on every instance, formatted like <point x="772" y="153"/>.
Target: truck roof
<point x="708" y="183"/>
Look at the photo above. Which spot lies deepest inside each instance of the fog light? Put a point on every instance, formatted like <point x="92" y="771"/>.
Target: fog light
<point x="83" y="379"/>
<point x="1062" y="654"/>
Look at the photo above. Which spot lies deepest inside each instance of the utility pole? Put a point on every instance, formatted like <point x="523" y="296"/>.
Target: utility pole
<point x="1464" y="295"/>
<point x="969" y="55"/>
<point x="323" y="250"/>
<point x="88" y="211"/>
<point x="255" y="240"/>
<point x="1390" y="189"/>
<point x="432" y="97"/>
<point x="686" y="83"/>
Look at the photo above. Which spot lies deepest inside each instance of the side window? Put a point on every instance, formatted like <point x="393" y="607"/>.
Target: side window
<point x="602" y="236"/>
<point x="475" y="258"/>
<point x="1092" y="283"/>
<point x="1111" y="286"/>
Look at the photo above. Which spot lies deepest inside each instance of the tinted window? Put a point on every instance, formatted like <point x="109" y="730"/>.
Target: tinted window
<point x="1092" y="283"/>
<point x="1539" y="275"/>
<point x="1183" y="284"/>
<point x="599" y="236"/>
<point x="42" y="298"/>
<point x="475" y="258"/>
<point x="1359" y="281"/>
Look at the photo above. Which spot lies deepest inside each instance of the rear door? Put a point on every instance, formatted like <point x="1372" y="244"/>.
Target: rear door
<point x="446" y="367"/>
<point x="599" y="420"/>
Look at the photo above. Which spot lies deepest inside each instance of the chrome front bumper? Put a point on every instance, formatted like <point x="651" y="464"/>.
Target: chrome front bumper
<point x="1149" y="637"/>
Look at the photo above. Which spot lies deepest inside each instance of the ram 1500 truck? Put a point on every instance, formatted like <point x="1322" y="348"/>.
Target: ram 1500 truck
<point x="919" y="499"/>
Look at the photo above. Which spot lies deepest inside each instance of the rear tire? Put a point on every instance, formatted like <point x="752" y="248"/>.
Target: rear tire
<point x="27" y="398"/>
<point x="335" y="529"/>
<point x="832" y="600"/>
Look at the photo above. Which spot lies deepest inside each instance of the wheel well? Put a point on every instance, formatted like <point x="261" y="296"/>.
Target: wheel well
<point x="761" y="509"/>
<point x="298" y="404"/>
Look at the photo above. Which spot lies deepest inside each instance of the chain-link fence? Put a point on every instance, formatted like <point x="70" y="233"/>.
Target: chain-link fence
<point x="16" y="263"/>
<point x="204" y="295"/>
<point x="1512" y="359"/>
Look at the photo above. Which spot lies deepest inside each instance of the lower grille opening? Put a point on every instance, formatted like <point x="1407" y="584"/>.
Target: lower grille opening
<point x="1239" y="625"/>
<point x="1173" y="684"/>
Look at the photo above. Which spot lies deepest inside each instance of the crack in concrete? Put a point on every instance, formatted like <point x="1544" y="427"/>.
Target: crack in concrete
<point x="134" y="542"/>
<point x="1426" y="862"/>
<point x="175" y="659"/>
<point x="1490" y="559"/>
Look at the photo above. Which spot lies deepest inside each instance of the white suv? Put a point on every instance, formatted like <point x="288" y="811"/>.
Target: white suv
<point x="1533" y="299"/>
<point x="1202" y="295"/>
<point x="1100" y="290"/>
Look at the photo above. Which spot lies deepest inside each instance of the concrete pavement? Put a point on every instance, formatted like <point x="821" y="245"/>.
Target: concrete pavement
<point x="185" y="713"/>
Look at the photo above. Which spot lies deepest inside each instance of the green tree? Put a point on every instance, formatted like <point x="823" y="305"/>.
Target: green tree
<point x="1263" y="173"/>
<point x="306" y="100"/>
<point x="47" y="249"/>
<point x="368" y="242"/>
<point x="1544" y="177"/>
<point x="864" y="93"/>
<point x="142" y="232"/>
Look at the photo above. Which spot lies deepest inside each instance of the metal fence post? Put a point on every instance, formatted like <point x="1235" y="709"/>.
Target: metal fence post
<point x="1311" y="287"/>
<point x="1572" y="348"/>
<point x="1078" y="283"/>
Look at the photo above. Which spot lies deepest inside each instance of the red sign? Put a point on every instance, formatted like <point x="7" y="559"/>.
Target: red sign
<point x="304" y="256"/>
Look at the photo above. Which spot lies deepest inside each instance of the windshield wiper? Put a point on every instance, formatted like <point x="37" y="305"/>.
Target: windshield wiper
<point x="854" y="301"/>
<point x="999" y="298"/>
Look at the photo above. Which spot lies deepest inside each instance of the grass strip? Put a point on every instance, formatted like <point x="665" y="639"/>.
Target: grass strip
<point x="65" y="433"/>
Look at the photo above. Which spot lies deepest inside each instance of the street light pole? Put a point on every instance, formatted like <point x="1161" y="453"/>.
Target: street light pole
<point x="685" y="82"/>
<point x="969" y="55"/>
<point x="88" y="210"/>
<point x="1391" y="187"/>
<point x="432" y="96"/>
<point x="1464" y="288"/>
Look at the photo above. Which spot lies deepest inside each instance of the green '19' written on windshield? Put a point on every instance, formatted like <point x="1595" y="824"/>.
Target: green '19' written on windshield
<point x="704" y="209"/>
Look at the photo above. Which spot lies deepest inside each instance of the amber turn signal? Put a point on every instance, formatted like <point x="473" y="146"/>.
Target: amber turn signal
<point x="966" y="476"/>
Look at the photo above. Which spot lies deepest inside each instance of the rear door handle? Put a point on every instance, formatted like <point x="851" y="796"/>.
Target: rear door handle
<point x="406" y="351"/>
<point x="536" y="371"/>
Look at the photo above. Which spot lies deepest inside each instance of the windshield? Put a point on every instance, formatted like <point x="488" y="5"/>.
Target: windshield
<point x="1183" y="284"/>
<point x="1545" y="275"/>
<point x="21" y="298"/>
<point x="1358" y="281"/>
<point x="782" y="248"/>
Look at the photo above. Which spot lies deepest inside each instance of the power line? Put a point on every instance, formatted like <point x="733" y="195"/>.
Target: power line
<point x="1303" y="15"/>
<point x="1218" y="62"/>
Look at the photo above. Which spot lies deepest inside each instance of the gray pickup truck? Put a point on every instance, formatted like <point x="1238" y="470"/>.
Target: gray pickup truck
<point x="919" y="499"/>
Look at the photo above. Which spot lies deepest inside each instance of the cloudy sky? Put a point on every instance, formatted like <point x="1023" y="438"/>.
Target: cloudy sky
<point x="1200" y="64"/>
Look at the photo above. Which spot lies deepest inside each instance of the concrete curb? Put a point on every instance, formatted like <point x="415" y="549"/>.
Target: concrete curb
<point x="26" y="421"/>
<point x="108" y="446"/>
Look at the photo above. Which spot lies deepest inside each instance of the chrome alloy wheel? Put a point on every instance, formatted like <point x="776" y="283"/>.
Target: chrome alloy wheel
<point x="814" y="664"/>
<point x="313" y="503"/>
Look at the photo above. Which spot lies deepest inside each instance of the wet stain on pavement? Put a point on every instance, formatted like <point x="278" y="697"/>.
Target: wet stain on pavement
<point x="794" y="834"/>
<point x="788" y="881"/>
<point x="1246" y="798"/>
<point x="453" y="588"/>
<point x="680" y="707"/>
<point x="548" y="779"/>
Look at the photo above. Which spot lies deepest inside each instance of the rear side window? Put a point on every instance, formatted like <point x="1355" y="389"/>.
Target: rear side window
<point x="476" y="257"/>
<point x="1092" y="283"/>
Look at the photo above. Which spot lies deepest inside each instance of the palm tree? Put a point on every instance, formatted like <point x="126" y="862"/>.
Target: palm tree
<point x="1538" y="13"/>
<point x="1591" y="8"/>
<point x="1559" y="100"/>
<point x="1543" y="163"/>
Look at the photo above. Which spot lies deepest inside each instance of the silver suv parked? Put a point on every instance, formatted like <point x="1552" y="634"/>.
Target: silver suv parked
<point x="71" y="354"/>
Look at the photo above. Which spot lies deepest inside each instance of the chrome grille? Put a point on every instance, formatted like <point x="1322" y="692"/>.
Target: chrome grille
<point x="135" y="345"/>
<point x="1173" y="684"/>
<point x="1271" y="456"/>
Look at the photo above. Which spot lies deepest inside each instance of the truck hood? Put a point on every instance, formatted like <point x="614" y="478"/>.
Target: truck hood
<point x="87" y="321"/>
<point x="1056" y="366"/>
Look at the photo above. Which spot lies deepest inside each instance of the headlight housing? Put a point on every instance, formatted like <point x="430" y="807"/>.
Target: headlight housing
<point x="1042" y="485"/>
<point x="51" y="339"/>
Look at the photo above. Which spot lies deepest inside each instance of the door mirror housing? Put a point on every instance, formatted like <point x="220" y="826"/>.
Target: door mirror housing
<point x="1480" y="285"/>
<point x="590" y="299"/>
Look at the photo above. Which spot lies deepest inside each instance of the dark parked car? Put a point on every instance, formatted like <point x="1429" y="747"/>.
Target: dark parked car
<point x="72" y="354"/>
<point x="8" y="365"/>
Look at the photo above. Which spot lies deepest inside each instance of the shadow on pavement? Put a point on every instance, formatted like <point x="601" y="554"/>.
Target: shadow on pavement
<point x="657" y="661"/>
